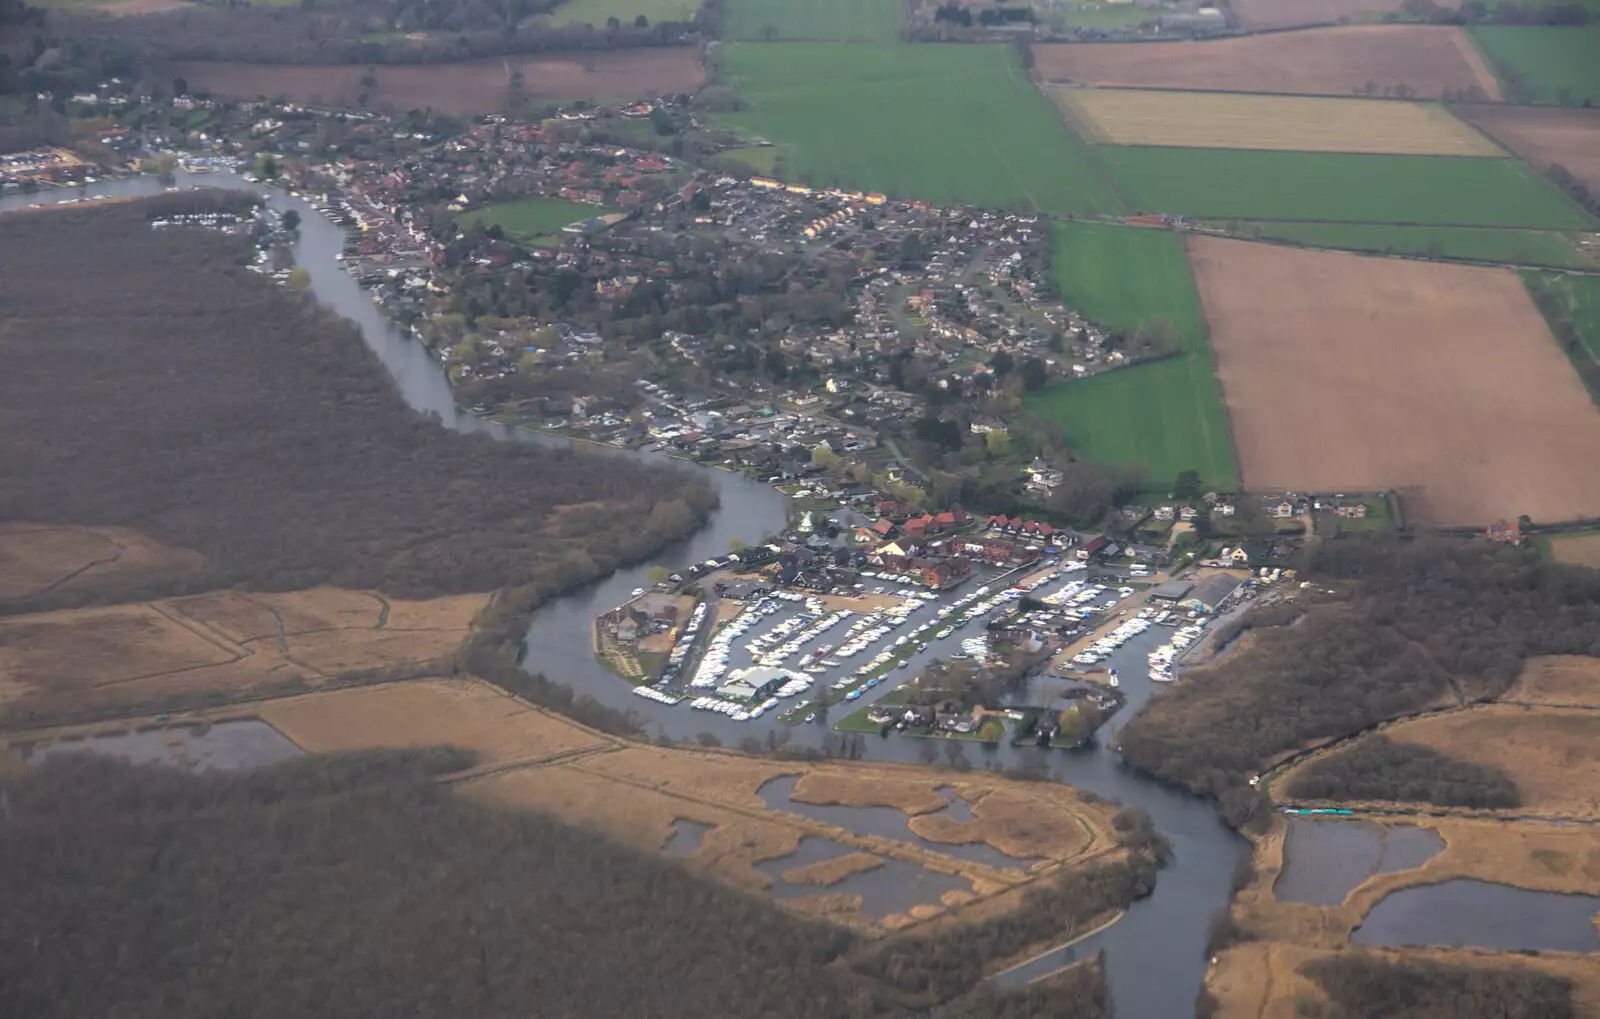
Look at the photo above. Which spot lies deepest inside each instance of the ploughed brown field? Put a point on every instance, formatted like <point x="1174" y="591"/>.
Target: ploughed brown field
<point x="475" y="86"/>
<point x="1325" y="61"/>
<point x="1349" y="373"/>
<point x="1544" y="134"/>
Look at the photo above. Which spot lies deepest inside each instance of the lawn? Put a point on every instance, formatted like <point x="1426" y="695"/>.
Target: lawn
<point x="1339" y="187"/>
<point x="1108" y="16"/>
<point x="1538" y="64"/>
<point x="813" y="20"/>
<point x="532" y="217"/>
<point x="760" y="158"/>
<point x="946" y="124"/>
<point x="1166" y="415"/>
<point x="595" y="12"/>
<point x="1527" y="247"/>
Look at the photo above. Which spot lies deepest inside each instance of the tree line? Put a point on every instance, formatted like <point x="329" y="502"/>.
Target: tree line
<point x="1423" y="619"/>
<point x="1378" y="768"/>
<point x="188" y="398"/>
<point x="1360" y="985"/>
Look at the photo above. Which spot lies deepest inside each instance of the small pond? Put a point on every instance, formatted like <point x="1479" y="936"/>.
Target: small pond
<point x="887" y="822"/>
<point x="686" y="837"/>
<point x="895" y="887"/>
<point x="1483" y="915"/>
<point x="1323" y="860"/>
<point x="226" y="746"/>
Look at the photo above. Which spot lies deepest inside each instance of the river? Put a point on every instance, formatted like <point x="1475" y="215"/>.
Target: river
<point x="1155" y="956"/>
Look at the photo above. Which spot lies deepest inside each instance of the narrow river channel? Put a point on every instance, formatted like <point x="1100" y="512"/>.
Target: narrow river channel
<point x="1155" y="955"/>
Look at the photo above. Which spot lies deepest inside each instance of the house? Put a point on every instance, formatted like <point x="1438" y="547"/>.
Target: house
<point x="1510" y="534"/>
<point x="627" y="631"/>
<point x="1210" y="594"/>
<point x="1234" y="555"/>
<point x="1282" y="509"/>
<point x="1187" y="514"/>
<point x="1224" y="509"/>
<point x="1093" y="547"/>
<point x="940" y="574"/>
<point x="1163" y="512"/>
<point x="883" y="528"/>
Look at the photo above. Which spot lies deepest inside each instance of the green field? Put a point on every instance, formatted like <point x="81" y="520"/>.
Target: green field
<point x="1580" y="297"/>
<point x="813" y="20"/>
<point x="1167" y="415"/>
<point x="1339" y="187"/>
<point x="529" y="218"/>
<point x="1525" y="247"/>
<point x="947" y="124"/>
<point x="760" y="158"/>
<point x="1537" y="64"/>
<point x="595" y="12"/>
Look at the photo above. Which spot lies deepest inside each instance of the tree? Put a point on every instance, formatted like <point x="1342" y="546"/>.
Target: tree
<point x="291" y="220"/>
<point x="299" y="278"/>
<point x="769" y="31"/>
<point x="656" y="574"/>
<point x="180" y="86"/>
<point x="641" y="22"/>
<point x="997" y="441"/>
<point x="1034" y="374"/>
<point x="1002" y="363"/>
<point x="826" y="458"/>
<point x="1188" y="485"/>
<point x="736" y="544"/>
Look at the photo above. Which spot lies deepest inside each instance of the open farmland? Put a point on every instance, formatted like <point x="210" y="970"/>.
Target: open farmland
<point x="1579" y="297"/>
<point x="469" y="87"/>
<point x="596" y="12"/>
<point x="1325" y="61"/>
<point x="1166" y="415"/>
<point x="1339" y="187"/>
<point x="1472" y="244"/>
<point x="1570" y="680"/>
<point x="946" y="124"/>
<point x="1289" y="123"/>
<point x="1580" y="549"/>
<point x="1570" y="137"/>
<point x="1348" y="373"/>
<point x="1544" y="65"/>
<point x="1258" y="14"/>
<point x="813" y="20"/>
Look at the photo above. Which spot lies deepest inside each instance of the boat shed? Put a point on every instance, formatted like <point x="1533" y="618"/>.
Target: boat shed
<point x="1210" y="593"/>
<point x="1171" y="591"/>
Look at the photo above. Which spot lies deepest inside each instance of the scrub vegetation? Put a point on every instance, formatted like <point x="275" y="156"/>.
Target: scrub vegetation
<point x="1378" y="768"/>
<point x="1339" y="187"/>
<point x="1166" y="415"/>
<point x="1360" y="985"/>
<point x="254" y="429"/>
<point x="1422" y="620"/>
<point x="944" y="124"/>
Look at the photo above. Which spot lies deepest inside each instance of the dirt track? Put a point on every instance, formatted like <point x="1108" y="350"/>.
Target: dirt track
<point x="1349" y="373"/>
<point x="1544" y="135"/>
<point x="1326" y="61"/>
<point x="475" y="86"/>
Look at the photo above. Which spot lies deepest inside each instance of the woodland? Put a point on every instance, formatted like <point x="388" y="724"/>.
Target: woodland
<point x="1360" y="986"/>
<point x="1417" y="622"/>
<point x="189" y="398"/>
<point x="1378" y="768"/>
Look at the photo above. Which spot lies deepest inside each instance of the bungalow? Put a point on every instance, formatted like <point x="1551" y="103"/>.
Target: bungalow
<point x="1187" y="514"/>
<point x="883" y="528"/>
<point x="1093" y="547"/>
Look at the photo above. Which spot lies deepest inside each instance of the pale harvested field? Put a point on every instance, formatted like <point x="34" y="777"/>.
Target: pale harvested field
<point x="469" y="87"/>
<point x="1553" y="755"/>
<point x="39" y="558"/>
<point x="1324" y="61"/>
<point x="1286" y="123"/>
<point x="1545" y="134"/>
<point x="1579" y="549"/>
<point x="224" y="646"/>
<point x="1348" y="373"/>
<point x="466" y="713"/>
<point x="1558" y="679"/>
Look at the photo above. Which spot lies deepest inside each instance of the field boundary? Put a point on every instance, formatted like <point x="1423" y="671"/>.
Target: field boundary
<point x="1211" y="358"/>
<point x="1283" y="242"/>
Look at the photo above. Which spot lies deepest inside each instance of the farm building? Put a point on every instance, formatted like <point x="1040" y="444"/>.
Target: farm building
<point x="1210" y="593"/>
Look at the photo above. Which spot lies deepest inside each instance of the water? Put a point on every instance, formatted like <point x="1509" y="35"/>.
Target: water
<point x="1483" y="915"/>
<point x="686" y="837"/>
<point x="895" y="887"/>
<point x="226" y="746"/>
<point x="1324" y="860"/>
<point x="1155" y="957"/>
<point x="885" y="822"/>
